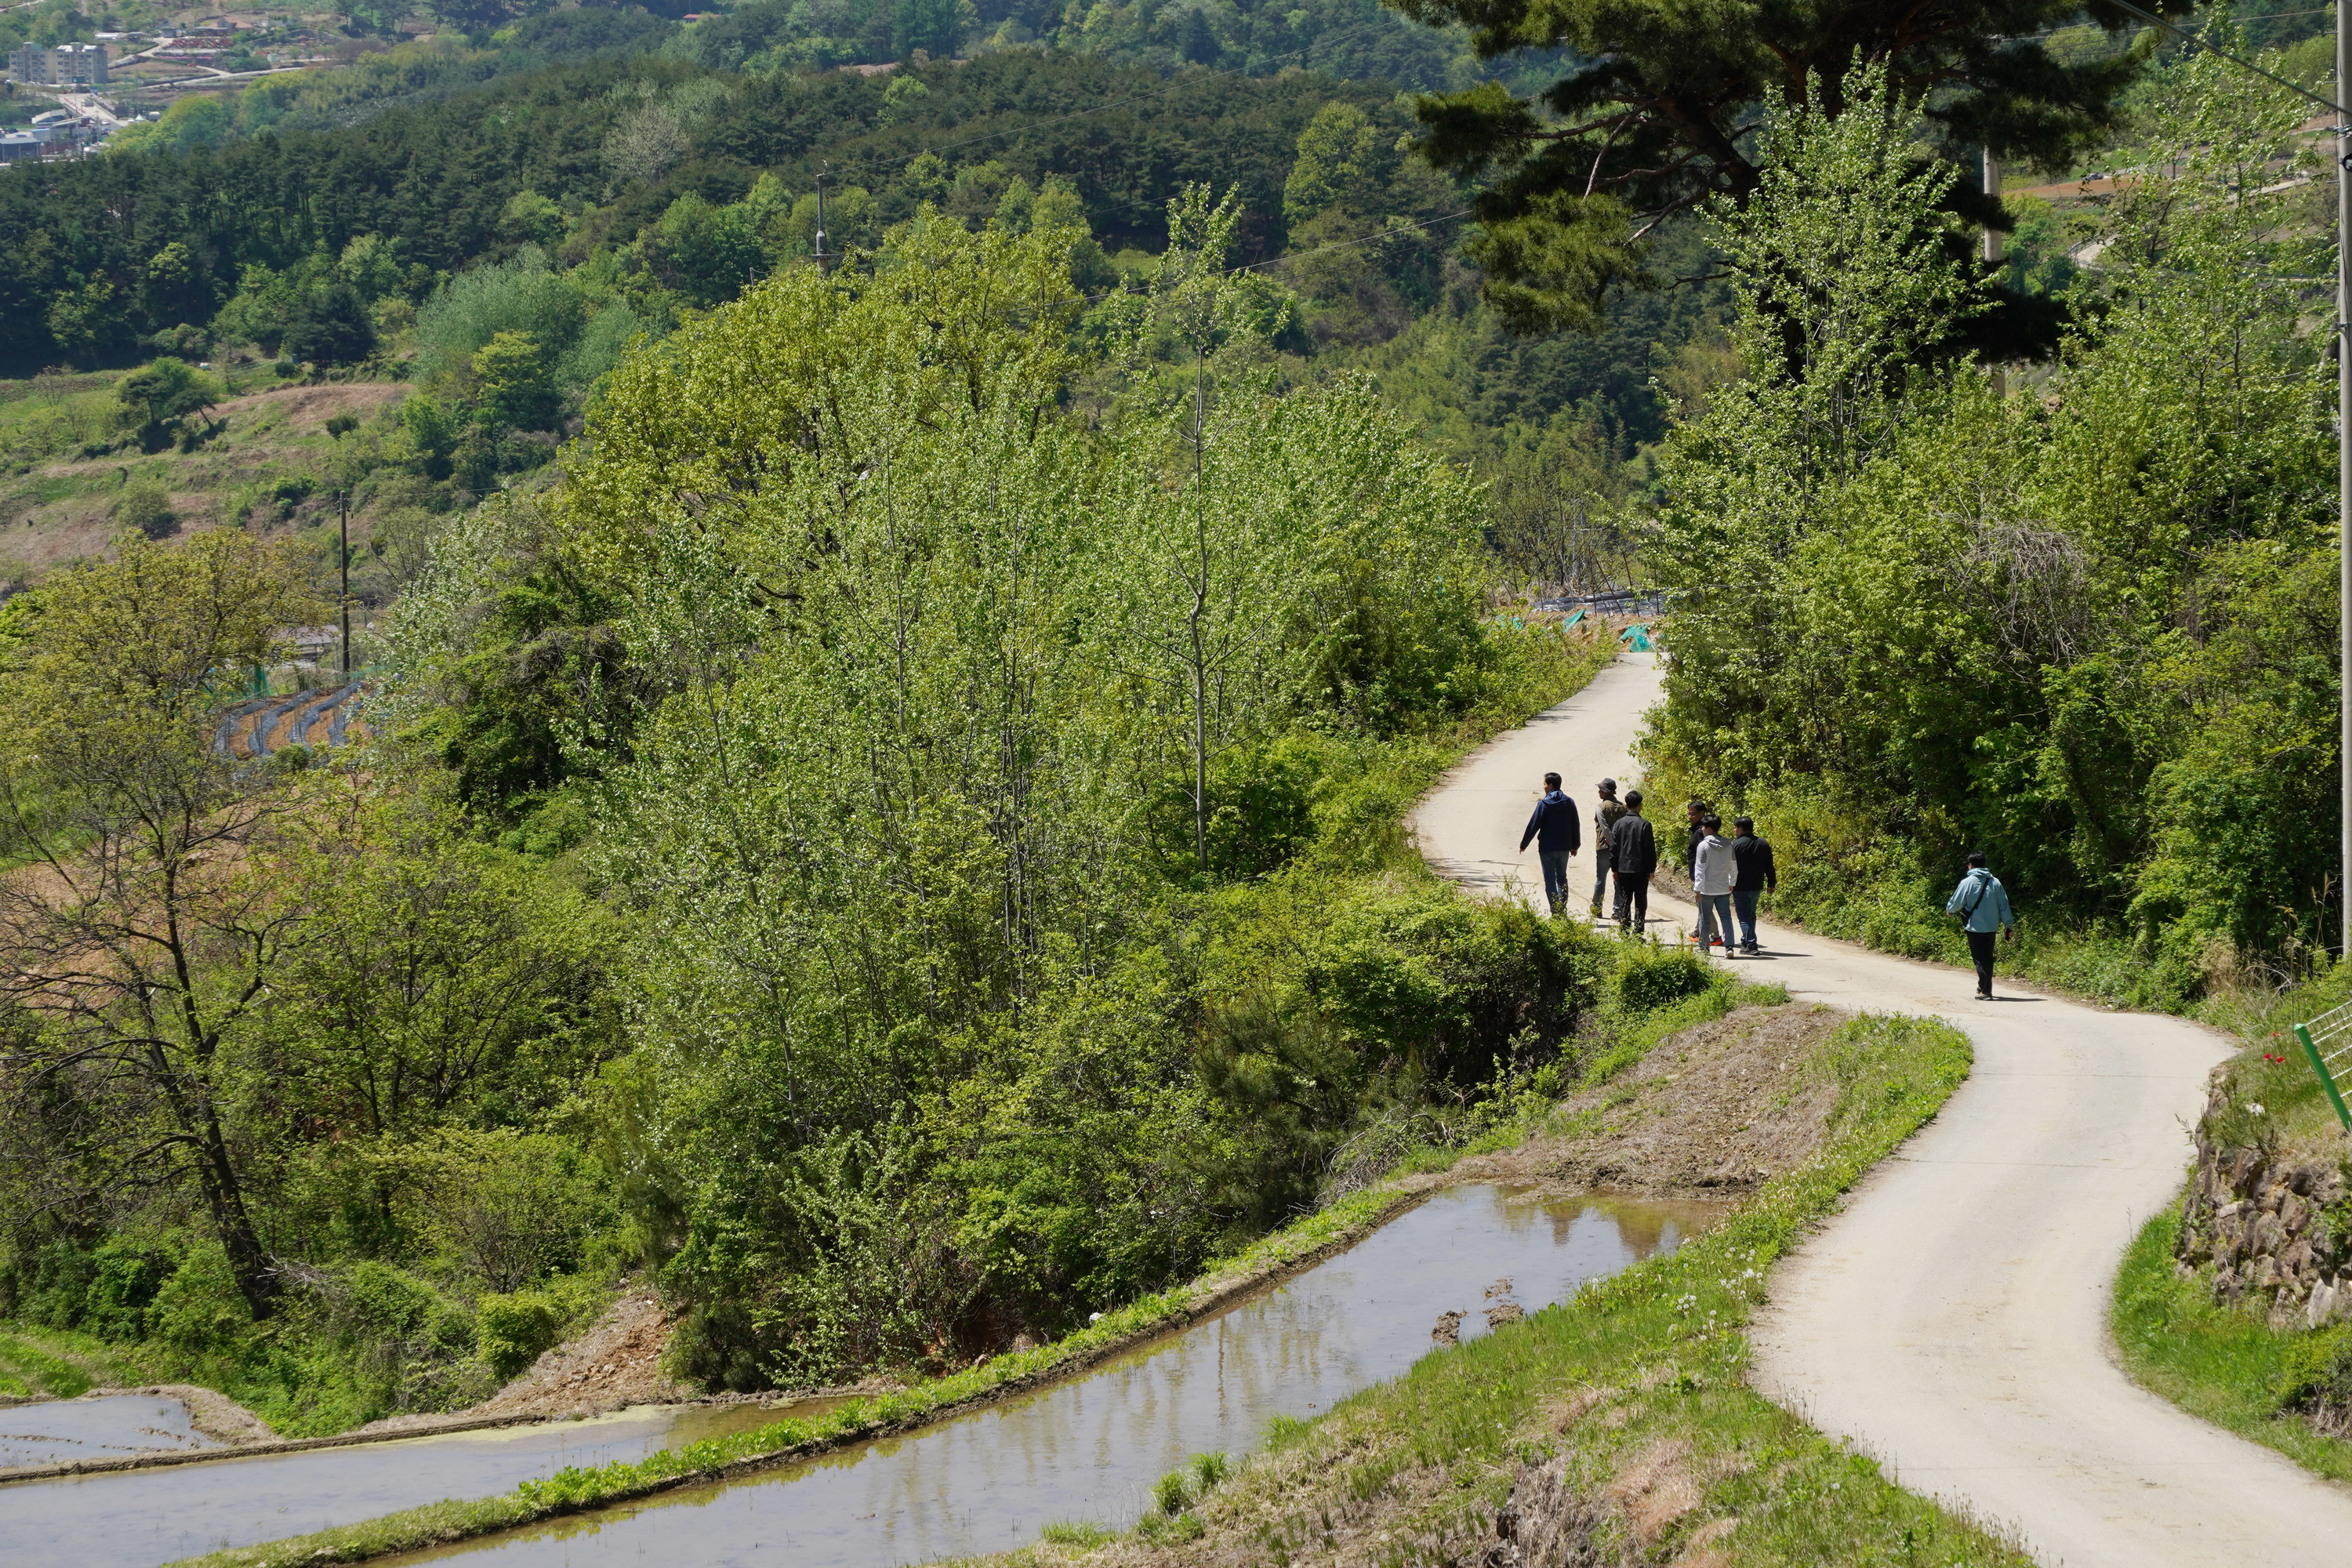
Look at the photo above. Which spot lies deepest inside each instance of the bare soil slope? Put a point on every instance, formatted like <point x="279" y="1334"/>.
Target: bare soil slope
<point x="1712" y="1112"/>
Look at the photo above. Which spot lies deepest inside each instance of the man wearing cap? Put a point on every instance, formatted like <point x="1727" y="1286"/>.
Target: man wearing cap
<point x="1604" y="817"/>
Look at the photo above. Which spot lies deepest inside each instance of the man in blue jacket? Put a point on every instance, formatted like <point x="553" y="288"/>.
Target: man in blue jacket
<point x="1556" y="839"/>
<point x="1982" y="905"/>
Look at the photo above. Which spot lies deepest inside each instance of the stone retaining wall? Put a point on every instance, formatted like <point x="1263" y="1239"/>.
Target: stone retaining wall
<point x="2277" y="1231"/>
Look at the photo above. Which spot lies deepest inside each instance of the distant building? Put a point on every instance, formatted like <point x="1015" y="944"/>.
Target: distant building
<point x="68" y="65"/>
<point x="19" y="144"/>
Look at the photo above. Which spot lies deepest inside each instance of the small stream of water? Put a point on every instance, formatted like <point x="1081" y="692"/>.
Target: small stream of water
<point x="1091" y="1448"/>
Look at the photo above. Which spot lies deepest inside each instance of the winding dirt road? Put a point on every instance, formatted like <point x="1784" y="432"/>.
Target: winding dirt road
<point x="1951" y="1319"/>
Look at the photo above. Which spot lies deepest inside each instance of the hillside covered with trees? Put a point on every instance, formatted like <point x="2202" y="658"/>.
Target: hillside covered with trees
<point x="900" y="840"/>
<point x="885" y="811"/>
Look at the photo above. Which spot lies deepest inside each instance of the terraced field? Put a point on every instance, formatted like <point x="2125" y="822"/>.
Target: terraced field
<point x="320" y="718"/>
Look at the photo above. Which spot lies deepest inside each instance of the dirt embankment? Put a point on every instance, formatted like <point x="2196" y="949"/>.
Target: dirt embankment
<point x="617" y="1363"/>
<point x="1715" y="1111"/>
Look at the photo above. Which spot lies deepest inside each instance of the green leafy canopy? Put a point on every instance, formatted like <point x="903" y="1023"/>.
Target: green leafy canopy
<point x="1659" y="109"/>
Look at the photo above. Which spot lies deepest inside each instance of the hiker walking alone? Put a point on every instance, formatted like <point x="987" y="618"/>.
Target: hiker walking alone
<point x="1752" y="875"/>
<point x="1982" y="904"/>
<point x="1556" y="839"/>
<point x="1711" y="873"/>
<point x="1604" y="820"/>
<point x="1633" y="856"/>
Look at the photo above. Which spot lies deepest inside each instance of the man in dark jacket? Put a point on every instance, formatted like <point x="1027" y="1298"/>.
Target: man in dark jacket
<point x="1605" y="819"/>
<point x="1556" y="838"/>
<point x="1694" y="830"/>
<point x="1633" y="856"/>
<point x="1752" y="876"/>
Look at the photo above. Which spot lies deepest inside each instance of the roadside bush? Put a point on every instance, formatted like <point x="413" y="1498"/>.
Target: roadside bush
<point x="148" y="509"/>
<point x="1650" y="977"/>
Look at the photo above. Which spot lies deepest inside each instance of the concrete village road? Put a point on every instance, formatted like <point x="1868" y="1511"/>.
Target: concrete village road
<point x="1951" y="1319"/>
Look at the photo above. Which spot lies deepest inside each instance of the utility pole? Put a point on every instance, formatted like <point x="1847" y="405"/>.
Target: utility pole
<point x="823" y="264"/>
<point x="344" y="531"/>
<point x="2344" y="478"/>
<point x="2342" y="132"/>
<point x="1992" y="249"/>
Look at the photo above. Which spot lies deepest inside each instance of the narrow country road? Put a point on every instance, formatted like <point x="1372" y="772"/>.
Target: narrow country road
<point x="1951" y="1319"/>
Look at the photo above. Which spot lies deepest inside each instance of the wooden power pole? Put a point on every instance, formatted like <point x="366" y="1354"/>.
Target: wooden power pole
<point x="343" y="531"/>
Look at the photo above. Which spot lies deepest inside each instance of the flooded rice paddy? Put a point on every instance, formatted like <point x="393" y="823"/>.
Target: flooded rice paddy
<point x="1086" y="1449"/>
<point x="1090" y="1449"/>
<point x="127" y="1517"/>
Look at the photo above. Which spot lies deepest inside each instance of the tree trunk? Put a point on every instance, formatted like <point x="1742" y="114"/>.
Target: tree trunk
<point x="256" y="1281"/>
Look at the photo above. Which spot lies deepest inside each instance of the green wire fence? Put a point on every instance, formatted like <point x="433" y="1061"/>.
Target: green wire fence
<point x="2331" y="1029"/>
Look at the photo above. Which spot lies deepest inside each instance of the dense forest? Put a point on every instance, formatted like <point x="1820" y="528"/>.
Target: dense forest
<point x="574" y="187"/>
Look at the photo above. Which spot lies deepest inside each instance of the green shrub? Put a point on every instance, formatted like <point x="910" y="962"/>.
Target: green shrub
<point x="1260" y="803"/>
<point x="198" y="1310"/>
<point x="513" y="1331"/>
<point x="148" y="509"/>
<point x="383" y="1302"/>
<point x="1650" y="977"/>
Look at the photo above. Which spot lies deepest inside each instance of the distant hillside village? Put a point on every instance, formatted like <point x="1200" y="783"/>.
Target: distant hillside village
<point x="53" y="108"/>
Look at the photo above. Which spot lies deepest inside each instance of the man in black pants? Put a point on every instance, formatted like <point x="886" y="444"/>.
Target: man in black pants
<point x="1982" y="904"/>
<point x="1633" y="856"/>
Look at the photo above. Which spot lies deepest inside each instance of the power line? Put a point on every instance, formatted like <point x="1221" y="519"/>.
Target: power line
<point x="2189" y="37"/>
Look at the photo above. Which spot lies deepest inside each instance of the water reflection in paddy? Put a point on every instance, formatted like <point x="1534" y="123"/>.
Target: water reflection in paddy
<point x="134" y="1517"/>
<point x="1090" y="1448"/>
<point x="110" y="1426"/>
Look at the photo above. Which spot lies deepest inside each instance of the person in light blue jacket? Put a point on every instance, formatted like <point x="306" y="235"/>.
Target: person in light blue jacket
<point x="1982" y="905"/>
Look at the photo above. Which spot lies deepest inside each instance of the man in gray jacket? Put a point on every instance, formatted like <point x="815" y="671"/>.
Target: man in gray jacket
<point x="1982" y="904"/>
<point x="1711" y="873"/>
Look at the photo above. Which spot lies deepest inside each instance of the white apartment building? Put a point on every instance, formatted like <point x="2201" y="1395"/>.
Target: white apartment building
<point x="68" y="65"/>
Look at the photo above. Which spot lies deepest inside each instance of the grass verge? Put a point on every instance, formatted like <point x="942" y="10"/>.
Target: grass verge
<point x="2218" y="1363"/>
<point x="48" y="1364"/>
<point x="1624" y="1412"/>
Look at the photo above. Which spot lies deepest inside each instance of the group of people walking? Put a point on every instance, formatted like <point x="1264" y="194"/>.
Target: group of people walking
<point x="1729" y="875"/>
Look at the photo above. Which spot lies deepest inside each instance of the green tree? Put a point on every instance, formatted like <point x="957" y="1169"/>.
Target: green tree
<point x="935" y="27"/>
<point x="142" y="948"/>
<point x="155" y="400"/>
<point x="704" y="251"/>
<point x="516" y="377"/>
<point x="1652" y="117"/>
<point x="2086" y="631"/>
<point x="1342" y="162"/>
<point x="328" y="325"/>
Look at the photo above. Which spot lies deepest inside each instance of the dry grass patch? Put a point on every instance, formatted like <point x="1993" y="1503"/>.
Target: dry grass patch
<point x="1717" y="1109"/>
